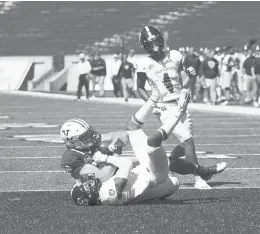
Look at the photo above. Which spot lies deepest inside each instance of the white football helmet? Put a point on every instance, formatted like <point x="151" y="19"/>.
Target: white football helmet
<point x="77" y="134"/>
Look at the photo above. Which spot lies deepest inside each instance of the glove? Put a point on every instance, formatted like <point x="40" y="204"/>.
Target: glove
<point x="98" y="157"/>
<point x="155" y="96"/>
<point x="184" y="100"/>
<point x="157" y="111"/>
<point x="191" y="72"/>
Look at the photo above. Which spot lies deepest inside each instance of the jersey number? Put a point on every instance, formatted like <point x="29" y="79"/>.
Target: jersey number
<point x="167" y="82"/>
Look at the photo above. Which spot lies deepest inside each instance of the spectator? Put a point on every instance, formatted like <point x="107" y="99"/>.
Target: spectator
<point x="210" y="72"/>
<point x="84" y="69"/>
<point x="227" y="75"/>
<point x="192" y="60"/>
<point x="257" y="74"/>
<point x="98" y="73"/>
<point x="249" y="76"/>
<point x="126" y="72"/>
<point x="116" y="79"/>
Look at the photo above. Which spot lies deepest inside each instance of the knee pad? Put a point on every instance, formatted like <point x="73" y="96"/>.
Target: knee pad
<point x="155" y="140"/>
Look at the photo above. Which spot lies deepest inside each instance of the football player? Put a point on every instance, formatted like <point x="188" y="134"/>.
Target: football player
<point x="165" y="70"/>
<point x="149" y="180"/>
<point x="82" y="141"/>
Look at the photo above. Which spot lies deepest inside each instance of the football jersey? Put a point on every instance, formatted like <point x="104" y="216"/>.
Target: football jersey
<point x="72" y="159"/>
<point x="164" y="74"/>
<point x="108" y="194"/>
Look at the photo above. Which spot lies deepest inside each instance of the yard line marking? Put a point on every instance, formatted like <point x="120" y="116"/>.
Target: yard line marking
<point x="182" y="187"/>
<point x="127" y="154"/>
<point x="63" y="171"/>
<point x="47" y="134"/>
<point x="60" y="146"/>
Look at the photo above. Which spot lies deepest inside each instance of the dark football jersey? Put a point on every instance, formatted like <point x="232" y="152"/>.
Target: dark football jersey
<point x="72" y="159"/>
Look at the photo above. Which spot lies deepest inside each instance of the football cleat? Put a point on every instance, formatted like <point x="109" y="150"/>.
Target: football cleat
<point x="201" y="185"/>
<point x="151" y="40"/>
<point x="206" y="173"/>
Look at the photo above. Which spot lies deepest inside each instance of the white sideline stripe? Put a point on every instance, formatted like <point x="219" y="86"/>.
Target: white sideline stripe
<point x="59" y="171"/>
<point x="138" y="102"/>
<point x="59" y="146"/>
<point x="131" y="156"/>
<point x="182" y="188"/>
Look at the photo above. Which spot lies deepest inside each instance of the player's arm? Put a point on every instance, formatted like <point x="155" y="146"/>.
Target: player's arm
<point x="124" y="166"/>
<point x="166" y="129"/>
<point x="141" y="80"/>
<point x="186" y="75"/>
<point x="116" y="141"/>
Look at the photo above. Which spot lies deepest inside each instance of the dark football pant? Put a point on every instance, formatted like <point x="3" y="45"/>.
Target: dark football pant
<point x="117" y="86"/>
<point x="83" y="81"/>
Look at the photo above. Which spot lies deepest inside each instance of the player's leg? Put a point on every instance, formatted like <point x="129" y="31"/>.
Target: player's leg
<point x="184" y="167"/>
<point x="183" y="132"/>
<point x="148" y="150"/>
<point x="165" y="189"/>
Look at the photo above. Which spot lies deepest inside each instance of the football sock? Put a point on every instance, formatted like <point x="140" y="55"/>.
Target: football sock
<point x="182" y="166"/>
<point x="141" y="115"/>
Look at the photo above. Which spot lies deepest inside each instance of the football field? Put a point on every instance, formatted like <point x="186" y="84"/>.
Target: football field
<point x="34" y="190"/>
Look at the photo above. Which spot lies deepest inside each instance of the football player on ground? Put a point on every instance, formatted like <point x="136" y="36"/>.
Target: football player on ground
<point x="149" y="180"/>
<point x="165" y="70"/>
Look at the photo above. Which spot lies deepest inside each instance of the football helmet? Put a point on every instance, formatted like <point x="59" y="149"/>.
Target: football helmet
<point x="85" y="191"/>
<point x="77" y="134"/>
<point x="151" y="40"/>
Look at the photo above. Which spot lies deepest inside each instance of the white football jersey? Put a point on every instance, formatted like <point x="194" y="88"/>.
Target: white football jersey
<point x="164" y="74"/>
<point x="108" y="194"/>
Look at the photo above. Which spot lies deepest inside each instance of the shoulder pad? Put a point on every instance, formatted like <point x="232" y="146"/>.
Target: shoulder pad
<point x="142" y="64"/>
<point x="72" y="159"/>
<point x="177" y="55"/>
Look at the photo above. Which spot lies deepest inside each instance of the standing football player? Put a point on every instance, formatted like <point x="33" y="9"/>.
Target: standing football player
<point x="165" y="70"/>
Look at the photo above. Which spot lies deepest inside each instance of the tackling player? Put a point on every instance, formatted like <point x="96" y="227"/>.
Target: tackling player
<point x="165" y="70"/>
<point x="82" y="141"/>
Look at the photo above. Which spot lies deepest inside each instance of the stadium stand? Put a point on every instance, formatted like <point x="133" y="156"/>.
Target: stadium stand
<point x="48" y="32"/>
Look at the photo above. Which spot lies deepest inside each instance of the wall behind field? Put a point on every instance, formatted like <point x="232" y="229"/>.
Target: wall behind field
<point x="13" y="69"/>
<point x="72" y="60"/>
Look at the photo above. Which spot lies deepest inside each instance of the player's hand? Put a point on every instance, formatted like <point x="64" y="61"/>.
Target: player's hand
<point x="157" y="111"/>
<point x="155" y="96"/>
<point x="98" y="157"/>
<point x="184" y="100"/>
<point x="191" y="72"/>
<point x="112" y="147"/>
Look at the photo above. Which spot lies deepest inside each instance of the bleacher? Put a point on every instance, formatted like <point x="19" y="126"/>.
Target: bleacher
<point x="49" y="28"/>
<point x="40" y="32"/>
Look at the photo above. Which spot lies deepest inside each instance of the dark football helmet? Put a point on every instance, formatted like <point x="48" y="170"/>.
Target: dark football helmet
<point x="85" y="191"/>
<point x="151" y="40"/>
